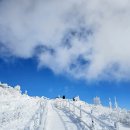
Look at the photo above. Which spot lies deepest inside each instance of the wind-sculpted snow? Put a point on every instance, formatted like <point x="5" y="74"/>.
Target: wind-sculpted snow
<point x="21" y="112"/>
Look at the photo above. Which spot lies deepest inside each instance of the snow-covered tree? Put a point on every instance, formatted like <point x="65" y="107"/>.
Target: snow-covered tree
<point x="97" y="100"/>
<point x="26" y="92"/>
<point x="110" y="103"/>
<point x="116" y="104"/>
<point x="18" y="88"/>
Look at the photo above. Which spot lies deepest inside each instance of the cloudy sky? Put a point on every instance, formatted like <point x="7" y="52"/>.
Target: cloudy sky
<point x="83" y="40"/>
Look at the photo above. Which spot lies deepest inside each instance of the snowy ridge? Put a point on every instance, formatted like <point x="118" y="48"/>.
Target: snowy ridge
<point x="21" y="112"/>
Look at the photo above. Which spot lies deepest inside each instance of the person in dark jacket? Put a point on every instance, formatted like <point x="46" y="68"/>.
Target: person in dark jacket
<point x="63" y="97"/>
<point x="73" y="98"/>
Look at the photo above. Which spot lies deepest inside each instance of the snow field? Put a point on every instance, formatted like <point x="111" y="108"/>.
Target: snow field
<point x="22" y="112"/>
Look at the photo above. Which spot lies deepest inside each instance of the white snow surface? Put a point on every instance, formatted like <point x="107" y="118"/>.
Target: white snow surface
<point x="22" y="112"/>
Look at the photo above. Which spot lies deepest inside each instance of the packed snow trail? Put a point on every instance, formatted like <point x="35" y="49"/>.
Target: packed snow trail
<point x="53" y="121"/>
<point x="58" y="119"/>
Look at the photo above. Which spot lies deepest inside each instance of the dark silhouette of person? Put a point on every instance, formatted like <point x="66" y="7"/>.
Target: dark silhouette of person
<point x="63" y="97"/>
<point x="73" y="98"/>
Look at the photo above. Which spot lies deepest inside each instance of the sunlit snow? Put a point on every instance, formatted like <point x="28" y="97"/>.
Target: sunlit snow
<point x="18" y="111"/>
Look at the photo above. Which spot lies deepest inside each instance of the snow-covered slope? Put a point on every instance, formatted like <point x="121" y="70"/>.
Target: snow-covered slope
<point x="17" y="110"/>
<point x="22" y="112"/>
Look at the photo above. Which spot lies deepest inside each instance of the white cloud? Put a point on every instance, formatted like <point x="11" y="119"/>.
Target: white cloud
<point x="87" y="39"/>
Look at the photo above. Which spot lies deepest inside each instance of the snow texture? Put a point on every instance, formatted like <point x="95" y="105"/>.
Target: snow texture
<point x="21" y="112"/>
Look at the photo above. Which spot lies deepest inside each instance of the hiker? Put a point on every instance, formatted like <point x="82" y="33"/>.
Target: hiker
<point x="73" y="98"/>
<point x="76" y="98"/>
<point x="63" y="97"/>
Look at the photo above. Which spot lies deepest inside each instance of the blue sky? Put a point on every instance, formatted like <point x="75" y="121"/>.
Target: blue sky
<point x="44" y="82"/>
<point x="71" y="47"/>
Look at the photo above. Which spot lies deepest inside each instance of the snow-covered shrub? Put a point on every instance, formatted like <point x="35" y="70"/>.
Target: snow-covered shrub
<point x="4" y="85"/>
<point x="26" y="92"/>
<point x="18" y="88"/>
<point x="121" y="115"/>
<point x="97" y="101"/>
<point x="125" y="118"/>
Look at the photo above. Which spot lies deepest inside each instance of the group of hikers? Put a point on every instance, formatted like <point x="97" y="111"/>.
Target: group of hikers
<point x="74" y="98"/>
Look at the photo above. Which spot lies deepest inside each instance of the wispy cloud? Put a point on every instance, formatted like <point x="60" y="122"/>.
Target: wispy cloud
<point x="87" y="39"/>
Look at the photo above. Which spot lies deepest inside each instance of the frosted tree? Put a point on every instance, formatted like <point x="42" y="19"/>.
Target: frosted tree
<point x="17" y="87"/>
<point x="26" y="92"/>
<point x="116" y="104"/>
<point x="110" y="103"/>
<point x="97" y="101"/>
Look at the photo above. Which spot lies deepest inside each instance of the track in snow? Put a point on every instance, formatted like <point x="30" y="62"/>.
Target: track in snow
<point x="59" y="120"/>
